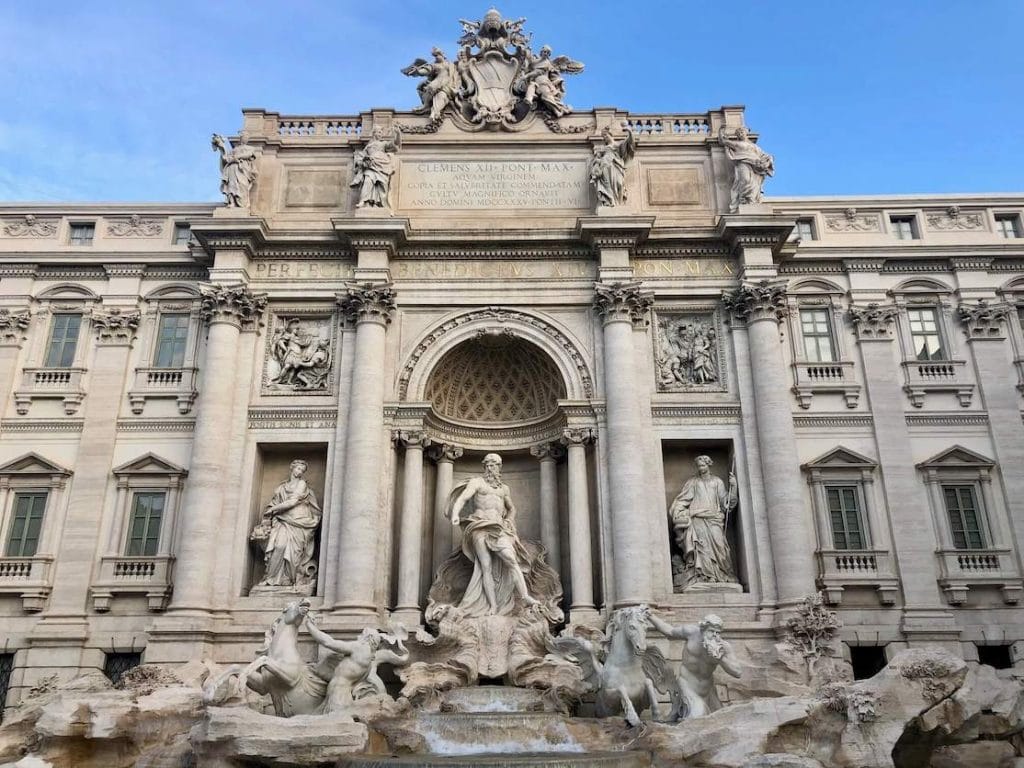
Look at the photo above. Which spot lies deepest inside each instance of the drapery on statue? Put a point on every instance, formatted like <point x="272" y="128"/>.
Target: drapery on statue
<point x="699" y="515"/>
<point x="703" y="651"/>
<point x="490" y="541"/>
<point x="441" y="86"/>
<point x="374" y="166"/>
<point x="751" y="166"/>
<point x="237" y="170"/>
<point x="287" y="532"/>
<point x="541" y="82"/>
<point x="607" y="168"/>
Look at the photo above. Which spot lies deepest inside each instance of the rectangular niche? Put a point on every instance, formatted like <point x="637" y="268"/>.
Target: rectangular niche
<point x="679" y="462"/>
<point x="689" y="352"/>
<point x="273" y="468"/>
<point x="301" y="353"/>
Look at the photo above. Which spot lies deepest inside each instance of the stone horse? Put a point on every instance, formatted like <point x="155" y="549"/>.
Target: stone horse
<point x="620" y="668"/>
<point x="294" y="686"/>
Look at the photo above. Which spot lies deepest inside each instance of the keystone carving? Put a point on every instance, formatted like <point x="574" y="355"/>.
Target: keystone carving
<point x="764" y="300"/>
<point x="230" y="303"/>
<point x="873" y="322"/>
<point x="368" y="302"/>
<point x="983" y="320"/>
<point x="622" y="301"/>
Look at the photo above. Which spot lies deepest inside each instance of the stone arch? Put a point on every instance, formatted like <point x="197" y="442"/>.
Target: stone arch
<point x="173" y="291"/>
<point x="564" y="351"/>
<point x="1013" y="285"/>
<point x="815" y="285"/>
<point x="924" y="284"/>
<point x="67" y="291"/>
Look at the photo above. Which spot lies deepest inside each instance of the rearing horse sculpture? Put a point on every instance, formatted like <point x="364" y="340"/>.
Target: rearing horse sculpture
<point x="620" y="668"/>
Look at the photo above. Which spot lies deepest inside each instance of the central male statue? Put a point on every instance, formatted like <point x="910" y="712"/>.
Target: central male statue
<point x="490" y="541"/>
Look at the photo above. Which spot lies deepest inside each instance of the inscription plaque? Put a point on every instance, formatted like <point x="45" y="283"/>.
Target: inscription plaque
<point x="477" y="184"/>
<point x="314" y="188"/>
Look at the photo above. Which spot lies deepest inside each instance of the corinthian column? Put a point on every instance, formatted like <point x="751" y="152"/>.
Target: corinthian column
<point x="370" y="306"/>
<point x="621" y="304"/>
<point x="410" y="532"/>
<point x="761" y="307"/>
<point x="548" y="454"/>
<point x="225" y="308"/>
<point x="580" y="543"/>
<point x="13" y="328"/>
<point x="445" y="533"/>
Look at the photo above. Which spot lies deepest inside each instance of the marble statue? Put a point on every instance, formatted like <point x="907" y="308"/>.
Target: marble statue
<point x="351" y="665"/>
<point x="490" y="541"/>
<point x="751" y="165"/>
<point x="441" y="86"/>
<point x="287" y="532"/>
<point x="541" y="82"/>
<point x="303" y="357"/>
<point x="374" y="165"/>
<point x="703" y="651"/>
<point x="687" y="354"/>
<point x="622" y="670"/>
<point x="607" y="169"/>
<point x="699" y="516"/>
<point x="237" y="170"/>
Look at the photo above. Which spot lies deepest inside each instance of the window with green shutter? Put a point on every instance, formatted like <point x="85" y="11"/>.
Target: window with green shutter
<point x="60" y="352"/>
<point x="964" y="516"/>
<point x="26" y="524"/>
<point x="144" y="530"/>
<point x="171" y="340"/>
<point x="844" y="511"/>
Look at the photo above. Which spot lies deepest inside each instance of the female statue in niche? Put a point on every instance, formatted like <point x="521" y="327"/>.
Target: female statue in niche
<point x="287" y="533"/>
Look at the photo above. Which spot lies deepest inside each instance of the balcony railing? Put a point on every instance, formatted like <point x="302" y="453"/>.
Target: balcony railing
<point x="27" y="577"/>
<point x="924" y="376"/>
<point x="62" y="383"/>
<point x="150" y="383"/>
<point x="962" y="569"/>
<point x="836" y="377"/>
<point x="149" y="576"/>
<point x="840" y="568"/>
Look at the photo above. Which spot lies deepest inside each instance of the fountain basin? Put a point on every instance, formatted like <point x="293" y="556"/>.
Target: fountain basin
<point x="592" y="760"/>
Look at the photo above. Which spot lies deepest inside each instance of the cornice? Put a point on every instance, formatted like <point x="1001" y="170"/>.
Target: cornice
<point x="614" y="231"/>
<point x="41" y="425"/>
<point x="717" y="413"/>
<point x="744" y="230"/>
<point x="248" y="234"/>
<point x="832" y="421"/>
<point x="946" y="419"/>
<point x="156" y="425"/>
<point x="372" y="233"/>
<point x="498" y="251"/>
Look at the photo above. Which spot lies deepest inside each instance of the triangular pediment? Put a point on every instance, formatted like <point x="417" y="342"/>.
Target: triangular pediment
<point x="32" y="464"/>
<point x="150" y="464"/>
<point x="957" y="456"/>
<point x="841" y="457"/>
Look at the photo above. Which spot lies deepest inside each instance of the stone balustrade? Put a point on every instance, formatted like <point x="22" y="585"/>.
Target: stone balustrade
<point x="148" y="576"/>
<point x="62" y="383"/>
<point x="961" y="569"/>
<point x="177" y="383"/>
<point x="840" y="568"/>
<point x="924" y="376"/>
<point x="836" y="377"/>
<point x="30" y="578"/>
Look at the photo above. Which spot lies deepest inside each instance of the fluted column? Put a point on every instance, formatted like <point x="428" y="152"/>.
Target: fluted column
<point x="548" y="454"/>
<point x="410" y="532"/>
<point x="621" y="304"/>
<point x="225" y="308"/>
<point x="446" y="536"/>
<point x="762" y="306"/>
<point x="580" y="542"/>
<point x="369" y="306"/>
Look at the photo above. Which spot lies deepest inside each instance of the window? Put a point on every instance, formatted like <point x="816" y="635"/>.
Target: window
<point x="60" y="353"/>
<point x="964" y="518"/>
<point x="816" y="329"/>
<point x="144" y="529"/>
<point x="82" y="234"/>
<point x="1008" y="225"/>
<point x="116" y="664"/>
<point x="904" y="227"/>
<point x="171" y="340"/>
<point x="805" y="229"/>
<point x="997" y="656"/>
<point x="182" y="234"/>
<point x="924" y="334"/>
<point x="844" y="513"/>
<point x="26" y="524"/>
<point x="6" y="668"/>
<point x="867" y="660"/>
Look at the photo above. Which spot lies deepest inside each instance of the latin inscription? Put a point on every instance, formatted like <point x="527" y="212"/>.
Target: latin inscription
<point x="478" y="185"/>
<point x="303" y="270"/>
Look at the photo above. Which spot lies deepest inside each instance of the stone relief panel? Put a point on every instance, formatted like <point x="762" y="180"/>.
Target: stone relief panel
<point x="30" y="226"/>
<point x="851" y="221"/>
<point x="300" y="355"/>
<point x="135" y="226"/>
<point x="953" y="219"/>
<point x="688" y="351"/>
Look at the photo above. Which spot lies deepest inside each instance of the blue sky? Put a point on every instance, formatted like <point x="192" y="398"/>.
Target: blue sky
<point x="117" y="101"/>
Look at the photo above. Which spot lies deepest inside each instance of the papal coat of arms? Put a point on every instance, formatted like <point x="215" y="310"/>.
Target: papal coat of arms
<point x="496" y="80"/>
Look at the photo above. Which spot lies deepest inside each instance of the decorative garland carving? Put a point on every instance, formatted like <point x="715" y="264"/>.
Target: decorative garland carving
<point x="135" y="226"/>
<point x="499" y="315"/>
<point x="31" y="227"/>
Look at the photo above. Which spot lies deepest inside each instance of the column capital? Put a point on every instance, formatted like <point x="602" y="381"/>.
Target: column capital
<point x="410" y="438"/>
<point x="622" y="302"/>
<point x="445" y="452"/>
<point x="368" y="302"/>
<point x="115" y="327"/>
<point x="874" y="322"/>
<point x="763" y="300"/>
<point x="578" y="436"/>
<point x="233" y="304"/>
<point x="983" y="321"/>
<point x="547" y="451"/>
<point x="13" y="324"/>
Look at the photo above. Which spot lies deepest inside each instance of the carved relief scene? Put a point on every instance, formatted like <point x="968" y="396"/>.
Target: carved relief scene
<point x="688" y="352"/>
<point x="299" y="357"/>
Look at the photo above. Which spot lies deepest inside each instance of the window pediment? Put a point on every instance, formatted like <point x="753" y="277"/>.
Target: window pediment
<point x="957" y="457"/>
<point x="32" y="464"/>
<point x="149" y="464"/>
<point x="841" y="458"/>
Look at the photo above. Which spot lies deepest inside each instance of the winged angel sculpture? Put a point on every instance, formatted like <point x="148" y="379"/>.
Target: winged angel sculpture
<point x="493" y="86"/>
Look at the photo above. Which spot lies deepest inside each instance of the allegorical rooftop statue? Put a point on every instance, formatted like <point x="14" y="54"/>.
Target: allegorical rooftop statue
<point x="751" y="166"/>
<point x="608" y="167"/>
<point x="237" y="170"/>
<point x="493" y="86"/>
<point x="374" y="165"/>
